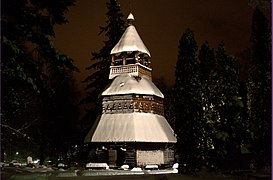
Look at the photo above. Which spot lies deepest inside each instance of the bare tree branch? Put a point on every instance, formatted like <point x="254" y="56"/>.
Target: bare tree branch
<point x="15" y="131"/>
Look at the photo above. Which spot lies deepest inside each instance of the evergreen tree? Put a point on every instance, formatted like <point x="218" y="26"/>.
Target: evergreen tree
<point x="229" y="128"/>
<point x="223" y="125"/>
<point x="32" y="67"/>
<point x="101" y="60"/>
<point x="259" y="89"/>
<point x="188" y="105"/>
<point x="208" y="80"/>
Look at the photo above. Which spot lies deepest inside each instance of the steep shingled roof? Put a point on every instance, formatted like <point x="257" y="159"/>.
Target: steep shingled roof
<point x="131" y="127"/>
<point x="130" y="41"/>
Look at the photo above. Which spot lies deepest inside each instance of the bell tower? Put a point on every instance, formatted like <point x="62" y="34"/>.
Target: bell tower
<point x="130" y="55"/>
<point x="132" y="115"/>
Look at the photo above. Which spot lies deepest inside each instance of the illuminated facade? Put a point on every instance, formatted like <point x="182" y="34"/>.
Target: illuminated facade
<point x="132" y="126"/>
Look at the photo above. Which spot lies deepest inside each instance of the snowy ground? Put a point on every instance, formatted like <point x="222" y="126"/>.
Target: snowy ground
<point x="48" y="173"/>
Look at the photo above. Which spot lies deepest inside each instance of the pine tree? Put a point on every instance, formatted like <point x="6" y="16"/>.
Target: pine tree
<point x="188" y="105"/>
<point x="229" y="129"/>
<point x="208" y="80"/>
<point x="101" y="60"/>
<point x="259" y="89"/>
<point x="223" y="126"/>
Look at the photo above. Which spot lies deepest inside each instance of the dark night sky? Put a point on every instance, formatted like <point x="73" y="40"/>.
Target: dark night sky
<point x="160" y="23"/>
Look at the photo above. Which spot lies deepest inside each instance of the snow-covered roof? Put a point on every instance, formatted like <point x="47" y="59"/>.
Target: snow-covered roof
<point x="131" y="127"/>
<point x="130" y="41"/>
<point x="128" y="84"/>
<point x="130" y="17"/>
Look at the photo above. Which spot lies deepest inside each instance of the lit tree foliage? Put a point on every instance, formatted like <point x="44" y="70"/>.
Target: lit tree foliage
<point x="229" y="128"/>
<point x="223" y="125"/>
<point x="188" y="105"/>
<point x="208" y="78"/>
<point x="259" y="89"/>
<point x="101" y="60"/>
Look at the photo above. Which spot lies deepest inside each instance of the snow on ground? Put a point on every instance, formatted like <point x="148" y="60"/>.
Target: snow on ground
<point x="48" y="173"/>
<point x="44" y="173"/>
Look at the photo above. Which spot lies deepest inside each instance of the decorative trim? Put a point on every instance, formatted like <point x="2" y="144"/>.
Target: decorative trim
<point x="132" y="103"/>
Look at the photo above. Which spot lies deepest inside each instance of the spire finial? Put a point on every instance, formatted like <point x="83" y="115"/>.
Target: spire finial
<point x="130" y="19"/>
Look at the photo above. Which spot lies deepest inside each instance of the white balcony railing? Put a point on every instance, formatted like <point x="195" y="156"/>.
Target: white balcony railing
<point x="133" y="69"/>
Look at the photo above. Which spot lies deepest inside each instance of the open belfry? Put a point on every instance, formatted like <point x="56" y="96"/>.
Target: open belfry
<point x="131" y="128"/>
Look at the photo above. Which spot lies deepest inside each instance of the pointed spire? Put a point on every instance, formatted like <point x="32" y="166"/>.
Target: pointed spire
<point x="130" y="40"/>
<point x="130" y="19"/>
<point x="130" y="16"/>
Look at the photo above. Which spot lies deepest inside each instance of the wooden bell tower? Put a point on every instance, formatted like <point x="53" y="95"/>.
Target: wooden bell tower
<point x="132" y="124"/>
